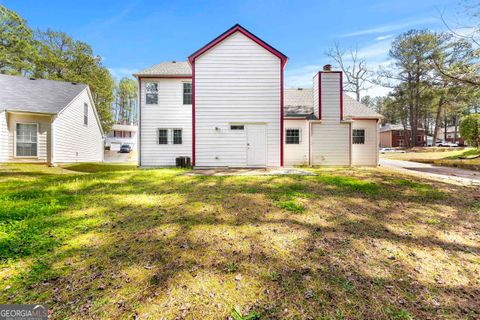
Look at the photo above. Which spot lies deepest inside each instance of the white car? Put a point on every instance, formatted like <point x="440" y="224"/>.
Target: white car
<point x="447" y="144"/>
<point x="389" y="150"/>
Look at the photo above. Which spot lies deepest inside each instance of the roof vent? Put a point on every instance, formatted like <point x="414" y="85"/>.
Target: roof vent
<point x="74" y="83"/>
<point x="33" y="79"/>
<point x="327" y="67"/>
<point x="300" y="89"/>
<point x="174" y="61"/>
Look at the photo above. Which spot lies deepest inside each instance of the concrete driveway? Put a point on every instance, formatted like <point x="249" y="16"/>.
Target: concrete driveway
<point x="448" y="174"/>
<point x="115" y="156"/>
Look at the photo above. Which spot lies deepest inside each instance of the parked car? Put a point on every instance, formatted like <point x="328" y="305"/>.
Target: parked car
<point x="389" y="150"/>
<point x="125" y="148"/>
<point x="447" y="144"/>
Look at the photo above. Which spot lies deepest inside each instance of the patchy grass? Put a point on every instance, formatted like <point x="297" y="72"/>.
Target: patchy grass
<point x="113" y="241"/>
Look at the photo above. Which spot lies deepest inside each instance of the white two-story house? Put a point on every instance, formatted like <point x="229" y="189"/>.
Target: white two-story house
<point x="227" y="107"/>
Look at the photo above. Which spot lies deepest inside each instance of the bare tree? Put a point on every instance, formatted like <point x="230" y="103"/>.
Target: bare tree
<point x="354" y="68"/>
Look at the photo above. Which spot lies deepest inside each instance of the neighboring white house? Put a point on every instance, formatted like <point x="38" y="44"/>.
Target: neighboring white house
<point x="121" y="134"/>
<point x="227" y="107"/>
<point x="48" y="121"/>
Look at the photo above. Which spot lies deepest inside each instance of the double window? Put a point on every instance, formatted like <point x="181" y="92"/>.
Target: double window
<point x="26" y="140"/>
<point x="292" y="136"/>
<point x="151" y="93"/>
<point x="170" y="136"/>
<point x="187" y="93"/>
<point x="358" y="136"/>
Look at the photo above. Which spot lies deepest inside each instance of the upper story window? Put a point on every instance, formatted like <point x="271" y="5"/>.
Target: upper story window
<point x="151" y="89"/>
<point x="85" y="114"/>
<point x="292" y="136"/>
<point x="26" y="140"/>
<point x="187" y="93"/>
<point x="358" y="136"/>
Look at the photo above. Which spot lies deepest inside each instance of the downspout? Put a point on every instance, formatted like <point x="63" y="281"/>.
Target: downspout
<point x="139" y="139"/>
<point x="52" y="141"/>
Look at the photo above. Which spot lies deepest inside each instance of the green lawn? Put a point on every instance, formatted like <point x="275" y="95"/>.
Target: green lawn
<point x="113" y="241"/>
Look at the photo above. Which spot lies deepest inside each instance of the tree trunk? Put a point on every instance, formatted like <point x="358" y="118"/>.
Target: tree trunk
<point x="437" y="120"/>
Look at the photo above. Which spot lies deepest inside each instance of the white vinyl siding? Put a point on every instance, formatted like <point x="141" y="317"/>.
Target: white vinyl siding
<point x="75" y="141"/>
<point x="236" y="81"/>
<point x="331" y="138"/>
<point x="297" y="154"/>
<point x="169" y="113"/>
<point x="43" y="136"/>
<point x="366" y="154"/>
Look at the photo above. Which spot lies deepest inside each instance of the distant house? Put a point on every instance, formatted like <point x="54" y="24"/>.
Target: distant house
<point x="451" y="135"/>
<point x="227" y="107"/>
<point x="48" y="121"/>
<point x="121" y="134"/>
<point x="395" y="135"/>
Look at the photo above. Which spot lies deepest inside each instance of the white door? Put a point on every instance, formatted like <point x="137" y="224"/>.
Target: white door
<point x="256" y="145"/>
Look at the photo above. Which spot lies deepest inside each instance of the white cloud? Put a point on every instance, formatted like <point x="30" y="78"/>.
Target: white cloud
<point x="385" y="37"/>
<point x="391" y="27"/>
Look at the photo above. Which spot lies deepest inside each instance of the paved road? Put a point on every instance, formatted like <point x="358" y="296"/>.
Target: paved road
<point x="437" y="172"/>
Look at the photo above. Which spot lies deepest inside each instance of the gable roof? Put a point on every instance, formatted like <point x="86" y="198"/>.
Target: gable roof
<point x="36" y="95"/>
<point x="167" y="68"/>
<point x="299" y="103"/>
<point x="228" y="33"/>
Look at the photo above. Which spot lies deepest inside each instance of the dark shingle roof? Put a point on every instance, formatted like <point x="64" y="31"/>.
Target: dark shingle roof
<point x="299" y="102"/>
<point x="39" y="95"/>
<point x="170" y="68"/>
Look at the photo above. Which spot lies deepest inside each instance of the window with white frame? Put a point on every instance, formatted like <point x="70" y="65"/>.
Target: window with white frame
<point x="85" y="114"/>
<point x="26" y="140"/>
<point x="162" y="136"/>
<point x="151" y="91"/>
<point x="170" y="136"/>
<point x="187" y="93"/>
<point x="292" y="136"/>
<point x="177" y="136"/>
<point x="358" y="136"/>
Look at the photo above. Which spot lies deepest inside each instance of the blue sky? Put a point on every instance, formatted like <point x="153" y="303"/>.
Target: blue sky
<point x="132" y="35"/>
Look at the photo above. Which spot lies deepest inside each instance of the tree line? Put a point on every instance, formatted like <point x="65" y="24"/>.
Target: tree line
<point x="54" y="55"/>
<point x="433" y="77"/>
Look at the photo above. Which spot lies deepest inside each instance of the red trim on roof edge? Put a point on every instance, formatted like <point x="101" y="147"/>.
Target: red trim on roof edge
<point x="281" y="115"/>
<point x="228" y="33"/>
<point x="165" y="77"/>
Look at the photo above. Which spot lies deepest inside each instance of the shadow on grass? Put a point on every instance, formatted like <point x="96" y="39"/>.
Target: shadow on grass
<point x="161" y="243"/>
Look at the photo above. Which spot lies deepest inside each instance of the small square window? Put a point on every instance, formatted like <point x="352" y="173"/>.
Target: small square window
<point x="187" y="93"/>
<point x="358" y="136"/>
<point x="292" y="136"/>
<point x="151" y="92"/>
<point x="162" y="136"/>
<point x="237" y="127"/>
<point x="177" y="136"/>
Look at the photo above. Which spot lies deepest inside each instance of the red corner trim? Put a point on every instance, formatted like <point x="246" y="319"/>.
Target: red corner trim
<point x="281" y="115"/>
<point x="193" y="113"/>
<point x="320" y="96"/>
<point x="341" y="96"/>
<point x="245" y="32"/>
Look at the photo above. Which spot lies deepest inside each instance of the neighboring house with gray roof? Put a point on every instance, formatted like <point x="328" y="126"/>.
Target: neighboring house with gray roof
<point x="227" y="107"/>
<point x="48" y="121"/>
